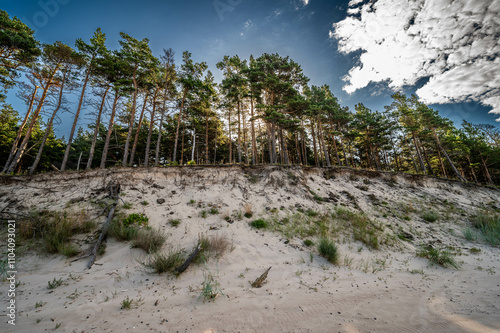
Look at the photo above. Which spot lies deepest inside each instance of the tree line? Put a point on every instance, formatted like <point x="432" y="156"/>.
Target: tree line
<point x="147" y="110"/>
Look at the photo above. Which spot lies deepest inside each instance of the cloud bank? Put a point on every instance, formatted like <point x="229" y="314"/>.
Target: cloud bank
<point x="454" y="43"/>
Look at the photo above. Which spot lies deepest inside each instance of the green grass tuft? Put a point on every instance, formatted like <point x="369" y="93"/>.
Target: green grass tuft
<point x="329" y="250"/>
<point x="430" y="216"/>
<point x="438" y="257"/>
<point x="259" y="224"/>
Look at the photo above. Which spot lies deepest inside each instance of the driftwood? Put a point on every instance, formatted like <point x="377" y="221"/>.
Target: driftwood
<point x="189" y="260"/>
<point x="260" y="280"/>
<point x="113" y="192"/>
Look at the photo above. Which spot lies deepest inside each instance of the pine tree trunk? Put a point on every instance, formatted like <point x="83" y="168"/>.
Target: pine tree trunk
<point x="132" y="119"/>
<point x="230" y="138"/>
<point x="206" y="137"/>
<point x="150" y="132"/>
<point x="75" y="121"/>
<point x="239" y="132"/>
<point x="254" y="142"/>
<point x="13" y="150"/>
<point x="427" y="160"/>
<point x="179" y="123"/>
<point x="316" y="161"/>
<point x="327" y="158"/>
<point x="96" y="130"/>
<point x="194" y="144"/>
<point x="158" y="142"/>
<point x="442" y="164"/>
<point x="138" y="130"/>
<point x="486" y="172"/>
<point x="49" y="127"/>
<point x="448" y="157"/>
<point x="110" y="131"/>
<point x="27" y="136"/>
<point x="421" y="161"/>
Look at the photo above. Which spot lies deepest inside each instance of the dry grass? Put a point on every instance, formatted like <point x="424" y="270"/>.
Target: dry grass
<point x="214" y="245"/>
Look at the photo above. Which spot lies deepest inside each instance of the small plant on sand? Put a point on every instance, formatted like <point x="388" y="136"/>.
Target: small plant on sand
<point x="174" y="223"/>
<point x="430" y="216"/>
<point x="214" y="211"/>
<point x="248" y="210"/>
<point x="329" y="250"/>
<point x="39" y="304"/>
<point x="439" y="257"/>
<point x="469" y="234"/>
<point x="127" y="303"/>
<point x="210" y="288"/>
<point x="203" y="214"/>
<point x="311" y="213"/>
<point x="308" y="242"/>
<point x="162" y="263"/>
<point x="137" y="219"/>
<point x="127" y="205"/>
<point x="54" y="283"/>
<point x="149" y="240"/>
<point x="144" y="203"/>
<point x="259" y="224"/>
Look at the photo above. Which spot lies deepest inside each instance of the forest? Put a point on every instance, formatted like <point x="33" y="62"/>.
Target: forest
<point x="146" y="110"/>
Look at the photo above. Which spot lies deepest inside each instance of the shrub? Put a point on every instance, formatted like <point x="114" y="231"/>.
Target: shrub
<point x="161" y="263"/>
<point x="55" y="229"/>
<point x="191" y="162"/>
<point x="438" y="256"/>
<point x="144" y="203"/>
<point x="430" y="216"/>
<point x="149" y="240"/>
<point x="121" y="232"/>
<point x="308" y="242"/>
<point x="214" y="211"/>
<point x="329" y="250"/>
<point x="259" y="224"/>
<point x="54" y="283"/>
<point x="489" y="226"/>
<point x="174" y="223"/>
<point x="212" y="245"/>
<point x="134" y="218"/>
<point x="311" y="213"/>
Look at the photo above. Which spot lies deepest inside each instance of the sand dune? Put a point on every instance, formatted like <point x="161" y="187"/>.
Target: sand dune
<point x="388" y="289"/>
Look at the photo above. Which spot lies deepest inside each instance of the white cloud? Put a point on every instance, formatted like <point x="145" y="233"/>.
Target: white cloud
<point x="305" y="2"/>
<point x="454" y="43"/>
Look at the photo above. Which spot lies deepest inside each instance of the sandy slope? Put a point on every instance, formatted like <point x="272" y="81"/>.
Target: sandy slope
<point x="378" y="291"/>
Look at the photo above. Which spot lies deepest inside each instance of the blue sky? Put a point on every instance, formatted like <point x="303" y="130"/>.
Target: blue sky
<point x="301" y="29"/>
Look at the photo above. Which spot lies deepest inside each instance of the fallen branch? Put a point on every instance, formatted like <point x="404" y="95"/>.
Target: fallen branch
<point x="189" y="260"/>
<point x="113" y="190"/>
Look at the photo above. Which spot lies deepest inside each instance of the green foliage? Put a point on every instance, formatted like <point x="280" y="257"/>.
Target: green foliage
<point x="259" y="224"/>
<point x="438" y="257"/>
<point x="55" y="283"/>
<point x="137" y="219"/>
<point x="210" y="288"/>
<point x="121" y="232"/>
<point x="248" y="215"/>
<point x="127" y="205"/>
<point x="126" y="303"/>
<point x="430" y="216"/>
<point x="488" y="224"/>
<point x="144" y="203"/>
<point x="191" y="163"/>
<point x="55" y="229"/>
<point x="364" y="229"/>
<point x="308" y="242"/>
<point x="329" y="250"/>
<point x="214" y="211"/>
<point x="174" y="223"/>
